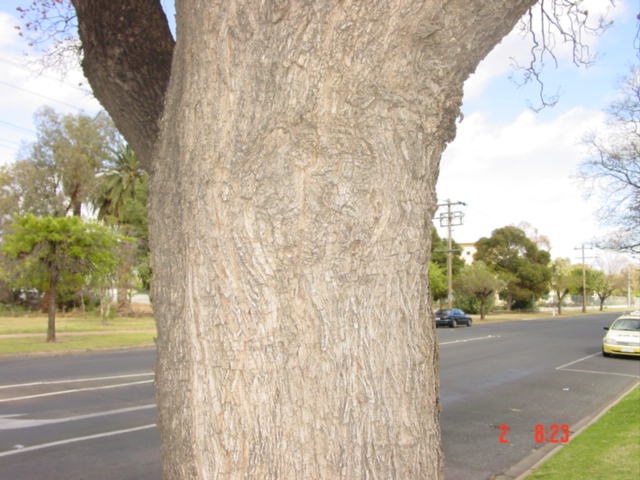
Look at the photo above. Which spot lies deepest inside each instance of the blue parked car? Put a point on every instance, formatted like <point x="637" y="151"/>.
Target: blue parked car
<point x="452" y="318"/>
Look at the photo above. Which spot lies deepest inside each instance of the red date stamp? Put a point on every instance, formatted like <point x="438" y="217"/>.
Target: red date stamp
<point x="541" y="433"/>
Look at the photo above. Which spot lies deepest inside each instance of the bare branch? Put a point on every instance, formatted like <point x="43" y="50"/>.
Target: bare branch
<point x="614" y="167"/>
<point x="550" y="26"/>
<point x="50" y="28"/>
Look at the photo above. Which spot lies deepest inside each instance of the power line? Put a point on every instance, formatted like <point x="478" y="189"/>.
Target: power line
<point x="9" y="143"/>
<point x="7" y="146"/>
<point x="30" y="71"/>
<point x="18" y="127"/>
<point x="31" y="92"/>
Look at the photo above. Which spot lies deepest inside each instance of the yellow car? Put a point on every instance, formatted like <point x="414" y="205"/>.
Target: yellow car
<point x="623" y="336"/>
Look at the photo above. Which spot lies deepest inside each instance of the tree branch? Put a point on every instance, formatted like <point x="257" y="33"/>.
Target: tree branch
<point x="128" y="48"/>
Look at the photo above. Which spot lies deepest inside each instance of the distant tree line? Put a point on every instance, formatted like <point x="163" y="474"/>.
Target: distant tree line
<point x="511" y="267"/>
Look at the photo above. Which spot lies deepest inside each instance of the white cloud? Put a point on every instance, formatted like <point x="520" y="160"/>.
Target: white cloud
<point x="25" y="87"/>
<point x="8" y="33"/>
<point x="522" y="171"/>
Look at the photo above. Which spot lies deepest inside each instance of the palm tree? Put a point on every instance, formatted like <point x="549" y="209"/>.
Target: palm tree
<point x="121" y="181"/>
<point x="121" y="202"/>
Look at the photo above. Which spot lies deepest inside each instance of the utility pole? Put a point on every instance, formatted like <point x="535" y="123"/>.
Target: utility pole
<point x="584" y="276"/>
<point x="450" y="219"/>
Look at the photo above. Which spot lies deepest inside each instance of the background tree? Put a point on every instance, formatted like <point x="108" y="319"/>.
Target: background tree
<point x="585" y="280"/>
<point x="59" y="255"/>
<point x="614" y="168"/>
<point x="438" y="287"/>
<point x="57" y="173"/>
<point x="602" y="286"/>
<point x="35" y="189"/>
<point x="9" y="197"/>
<point x="607" y="284"/>
<point x="291" y="195"/>
<point x="122" y="201"/>
<point x="438" y="265"/>
<point x="478" y="281"/>
<point x="519" y="263"/>
<point x="631" y="289"/>
<point x="562" y="281"/>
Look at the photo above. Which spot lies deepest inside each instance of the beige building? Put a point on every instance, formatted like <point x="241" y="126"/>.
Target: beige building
<point x="468" y="251"/>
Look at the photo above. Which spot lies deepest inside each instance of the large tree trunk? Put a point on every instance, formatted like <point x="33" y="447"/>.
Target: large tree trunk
<point x="290" y="224"/>
<point x="292" y="191"/>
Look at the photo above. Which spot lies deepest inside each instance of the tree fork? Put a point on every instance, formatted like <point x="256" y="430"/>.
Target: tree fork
<point x="291" y="198"/>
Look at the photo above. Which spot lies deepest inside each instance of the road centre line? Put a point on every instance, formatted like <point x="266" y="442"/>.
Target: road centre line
<point x="465" y="340"/>
<point x="13" y="422"/>
<point x="75" y="440"/>
<point x="74" y="390"/>
<point x="74" y="380"/>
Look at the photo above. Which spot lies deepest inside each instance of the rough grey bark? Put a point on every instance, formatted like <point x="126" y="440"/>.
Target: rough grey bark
<point x="292" y="191"/>
<point x="291" y="201"/>
<point x="127" y="49"/>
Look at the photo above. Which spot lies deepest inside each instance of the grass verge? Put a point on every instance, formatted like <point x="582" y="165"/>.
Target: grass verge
<point x="68" y="323"/>
<point x="74" y="343"/>
<point x="74" y="332"/>
<point x="607" y="450"/>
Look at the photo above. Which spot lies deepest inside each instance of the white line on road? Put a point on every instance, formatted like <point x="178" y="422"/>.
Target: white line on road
<point x="561" y="367"/>
<point x="74" y="390"/>
<point x="600" y="372"/>
<point x="74" y="380"/>
<point x="67" y="441"/>
<point x="465" y="340"/>
<point x="10" y="422"/>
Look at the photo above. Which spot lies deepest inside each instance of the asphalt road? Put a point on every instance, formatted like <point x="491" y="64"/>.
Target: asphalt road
<point x="92" y="416"/>
<point x="518" y="375"/>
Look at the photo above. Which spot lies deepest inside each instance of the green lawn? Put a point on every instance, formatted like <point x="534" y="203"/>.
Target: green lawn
<point x="21" y="334"/>
<point x="72" y="323"/>
<point x="74" y="343"/>
<point x="607" y="450"/>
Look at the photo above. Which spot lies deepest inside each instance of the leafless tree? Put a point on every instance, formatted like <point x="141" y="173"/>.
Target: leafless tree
<point x="613" y="170"/>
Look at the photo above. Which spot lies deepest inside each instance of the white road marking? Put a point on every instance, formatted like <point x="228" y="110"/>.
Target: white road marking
<point x="10" y="422"/>
<point x="74" y="380"/>
<point x="67" y="441"/>
<point x="74" y="390"/>
<point x="561" y="367"/>
<point x="465" y="340"/>
<point x="599" y="372"/>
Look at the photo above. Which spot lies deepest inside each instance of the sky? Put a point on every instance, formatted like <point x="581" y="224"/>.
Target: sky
<point x="509" y="165"/>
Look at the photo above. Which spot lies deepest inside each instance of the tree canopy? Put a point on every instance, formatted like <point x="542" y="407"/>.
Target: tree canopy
<point x="59" y="255"/>
<point x="57" y="174"/>
<point x="480" y="283"/>
<point x="79" y="164"/>
<point x="520" y="264"/>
